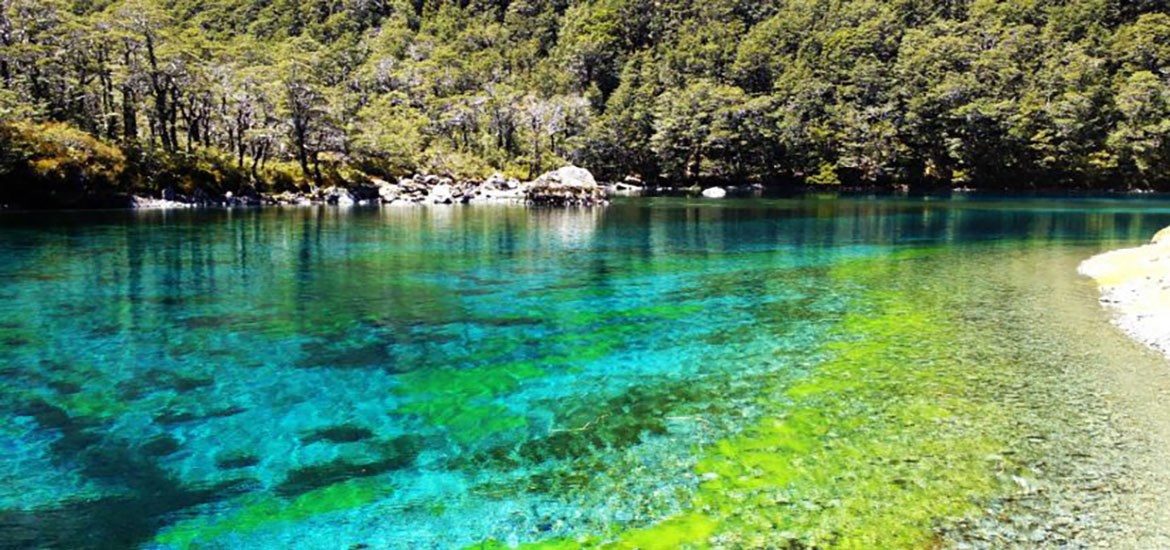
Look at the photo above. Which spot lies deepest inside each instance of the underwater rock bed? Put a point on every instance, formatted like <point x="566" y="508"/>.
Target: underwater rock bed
<point x="793" y="373"/>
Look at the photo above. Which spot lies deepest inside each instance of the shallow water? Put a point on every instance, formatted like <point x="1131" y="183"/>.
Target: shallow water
<point x="442" y="377"/>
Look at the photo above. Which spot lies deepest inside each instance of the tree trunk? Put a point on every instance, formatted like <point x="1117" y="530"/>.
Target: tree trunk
<point x="259" y="154"/>
<point x="6" y="41"/>
<point x="241" y="149"/>
<point x="129" y="115"/>
<point x="107" y="101"/>
<point x="172" y="124"/>
<point x="317" y="171"/>
<point x="302" y="150"/>
<point x="158" y="87"/>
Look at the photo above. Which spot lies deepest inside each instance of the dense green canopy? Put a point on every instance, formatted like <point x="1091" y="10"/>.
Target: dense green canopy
<point x="232" y="93"/>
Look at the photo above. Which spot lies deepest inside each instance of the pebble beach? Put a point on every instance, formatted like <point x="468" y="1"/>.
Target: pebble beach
<point x="1135" y="283"/>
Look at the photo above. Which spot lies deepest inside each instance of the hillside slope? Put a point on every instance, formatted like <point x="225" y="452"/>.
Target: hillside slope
<point x="230" y="94"/>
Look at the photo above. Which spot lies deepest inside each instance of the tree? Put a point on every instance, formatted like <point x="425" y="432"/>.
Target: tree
<point x="619" y="143"/>
<point x="589" y="46"/>
<point x="547" y="120"/>
<point x="142" y="24"/>
<point x="390" y="136"/>
<point x="692" y="131"/>
<point x="305" y="108"/>
<point x="1005" y="93"/>
<point x="1142" y="138"/>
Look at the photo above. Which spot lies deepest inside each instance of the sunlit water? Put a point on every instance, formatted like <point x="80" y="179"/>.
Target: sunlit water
<point x="436" y="377"/>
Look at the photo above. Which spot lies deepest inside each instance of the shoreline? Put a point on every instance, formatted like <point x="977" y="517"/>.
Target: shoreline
<point x="1134" y="284"/>
<point x="565" y="187"/>
<point x="578" y="188"/>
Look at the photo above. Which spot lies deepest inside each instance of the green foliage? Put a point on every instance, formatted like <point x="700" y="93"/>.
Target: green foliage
<point x="389" y="136"/>
<point x="60" y="161"/>
<point x="1142" y="138"/>
<point x="695" y="128"/>
<point x="826" y="175"/>
<point x="1001" y="93"/>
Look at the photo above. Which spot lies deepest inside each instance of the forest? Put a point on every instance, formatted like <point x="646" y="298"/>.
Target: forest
<point x="240" y="95"/>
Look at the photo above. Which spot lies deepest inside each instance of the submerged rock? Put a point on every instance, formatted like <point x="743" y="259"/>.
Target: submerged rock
<point x="338" y="434"/>
<point x="234" y="460"/>
<point x="394" y="454"/>
<point x="161" y="445"/>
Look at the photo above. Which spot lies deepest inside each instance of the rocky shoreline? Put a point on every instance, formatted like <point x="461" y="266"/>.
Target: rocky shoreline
<point x="1135" y="283"/>
<point x="567" y="186"/>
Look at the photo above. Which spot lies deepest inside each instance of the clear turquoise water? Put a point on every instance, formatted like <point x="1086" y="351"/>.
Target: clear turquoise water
<point x="430" y="377"/>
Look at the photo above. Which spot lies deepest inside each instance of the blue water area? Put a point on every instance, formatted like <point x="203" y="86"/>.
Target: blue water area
<point x="425" y="377"/>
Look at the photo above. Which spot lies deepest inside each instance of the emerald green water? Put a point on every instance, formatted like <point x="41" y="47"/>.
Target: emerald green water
<point x="653" y="374"/>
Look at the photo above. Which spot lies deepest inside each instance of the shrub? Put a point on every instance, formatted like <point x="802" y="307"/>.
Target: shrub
<point x="54" y="163"/>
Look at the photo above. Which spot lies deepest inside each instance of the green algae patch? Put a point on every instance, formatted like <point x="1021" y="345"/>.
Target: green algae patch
<point x="556" y="544"/>
<point x="466" y="422"/>
<point x="875" y="448"/>
<point x="462" y="400"/>
<point x="486" y="381"/>
<point x="458" y="399"/>
<point x="689" y="531"/>
<point x="93" y="404"/>
<point x="263" y="511"/>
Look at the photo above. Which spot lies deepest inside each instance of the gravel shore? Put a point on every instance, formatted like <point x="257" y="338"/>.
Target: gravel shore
<point x="1135" y="282"/>
<point x="1092" y="410"/>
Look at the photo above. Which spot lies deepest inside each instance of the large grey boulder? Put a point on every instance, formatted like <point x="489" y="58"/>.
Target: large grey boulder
<point x="441" y="193"/>
<point x="387" y="191"/>
<point x="567" y="186"/>
<point x="1162" y="237"/>
<point x="568" y="176"/>
<point x="338" y="196"/>
<point x="496" y="189"/>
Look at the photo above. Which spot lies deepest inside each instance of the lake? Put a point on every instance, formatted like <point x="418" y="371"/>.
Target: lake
<point x="827" y="371"/>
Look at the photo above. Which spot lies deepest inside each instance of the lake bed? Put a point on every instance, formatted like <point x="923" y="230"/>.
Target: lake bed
<point x="843" y="372"/>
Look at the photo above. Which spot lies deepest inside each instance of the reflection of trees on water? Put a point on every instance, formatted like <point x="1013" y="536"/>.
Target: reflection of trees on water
<point x="160" y="258"/>
<point x="148" y="275"/>
<point x="382" y="258"/>
<point x="824" y="222"/>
